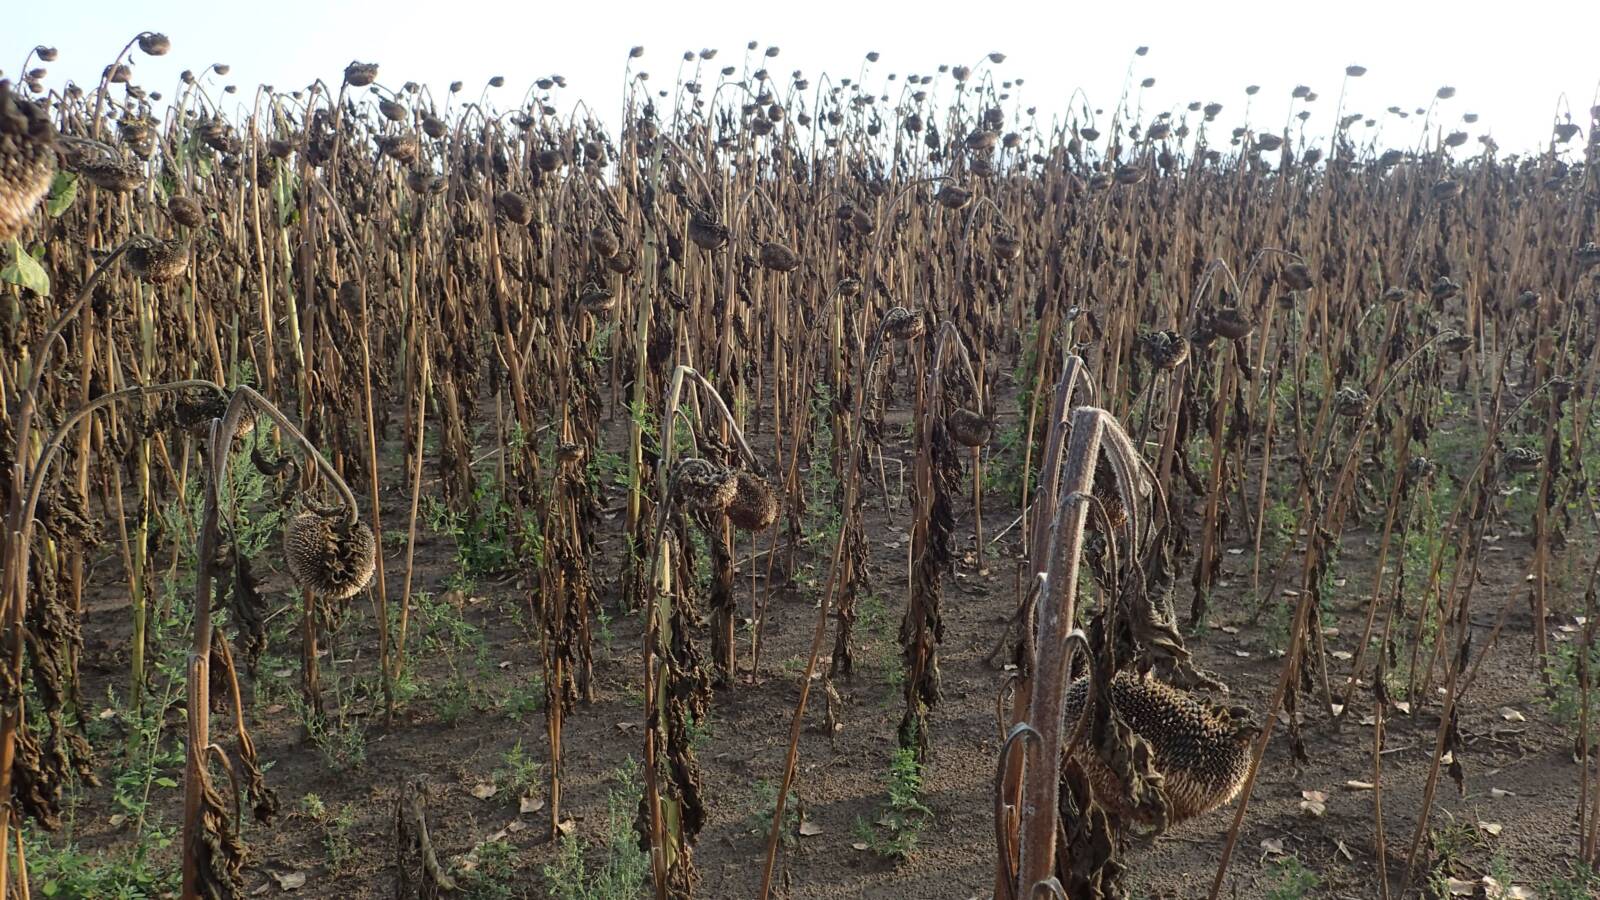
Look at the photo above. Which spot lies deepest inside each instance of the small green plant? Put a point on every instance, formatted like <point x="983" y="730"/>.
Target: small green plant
<point x="1291" y="880"/>
<point x="900" y="827"/>
<point x="487" y="872"/>
<point x="1277" y="532"/>
<point x="623" y="870"/>
<point x="523" y="699"/>
<point x="1003" y="476"/>
<point x="444" y="627"/>
<point x="607" y="468"/>
<point x="490" y="538"/>
<point x="128" y="872"/>
<point x="701" y="730"/>
<point x="823" y="518"/>
<point x="518" y="773"/>
<point x="338" y="845"/>
<point x="1562" y="697"/>
<point x="792" y="666"/>
<point x="313" y="807"/>
<point x="602" y="621"/>
<point x="1450" y="845"/>
<point x="342" y="739"/>
<point x="274" y="684"/>
<point x="1582" y="884"/>
<point x="767" y="806"/>
<point x="453" y="700"/>
<point x="873" y="615"/>
<point x="1275" y="626"/>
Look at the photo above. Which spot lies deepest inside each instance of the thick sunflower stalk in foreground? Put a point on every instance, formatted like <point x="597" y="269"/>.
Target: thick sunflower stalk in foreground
<point x="1110" y="748"/>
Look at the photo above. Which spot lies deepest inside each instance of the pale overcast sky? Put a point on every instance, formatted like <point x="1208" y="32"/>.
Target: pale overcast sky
<point x="1510" y="63"/>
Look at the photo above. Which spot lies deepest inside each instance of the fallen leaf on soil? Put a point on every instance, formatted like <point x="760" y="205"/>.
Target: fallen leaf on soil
<point x="1314" y="804"/>
<point x="1341" y="655"/>
<point x="530" y="805"/>
<point x="859" y="845"/>
<point x="810" y="829"/>
<point x="1492" y="829"/>
<point x="1498" y="793"/>
<point x="484" y="791"/>
<point x="292" y="881"/>
<point x="1494" y="890"/>
<point x="1273" y="846"/>
<point x="1511" y="715"/>
<point x="1460" y="888"/>
<point x="1359" y="785"/>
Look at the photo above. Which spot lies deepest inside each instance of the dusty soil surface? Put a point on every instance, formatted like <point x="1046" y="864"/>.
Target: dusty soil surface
<point x="1520" y="777"/>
